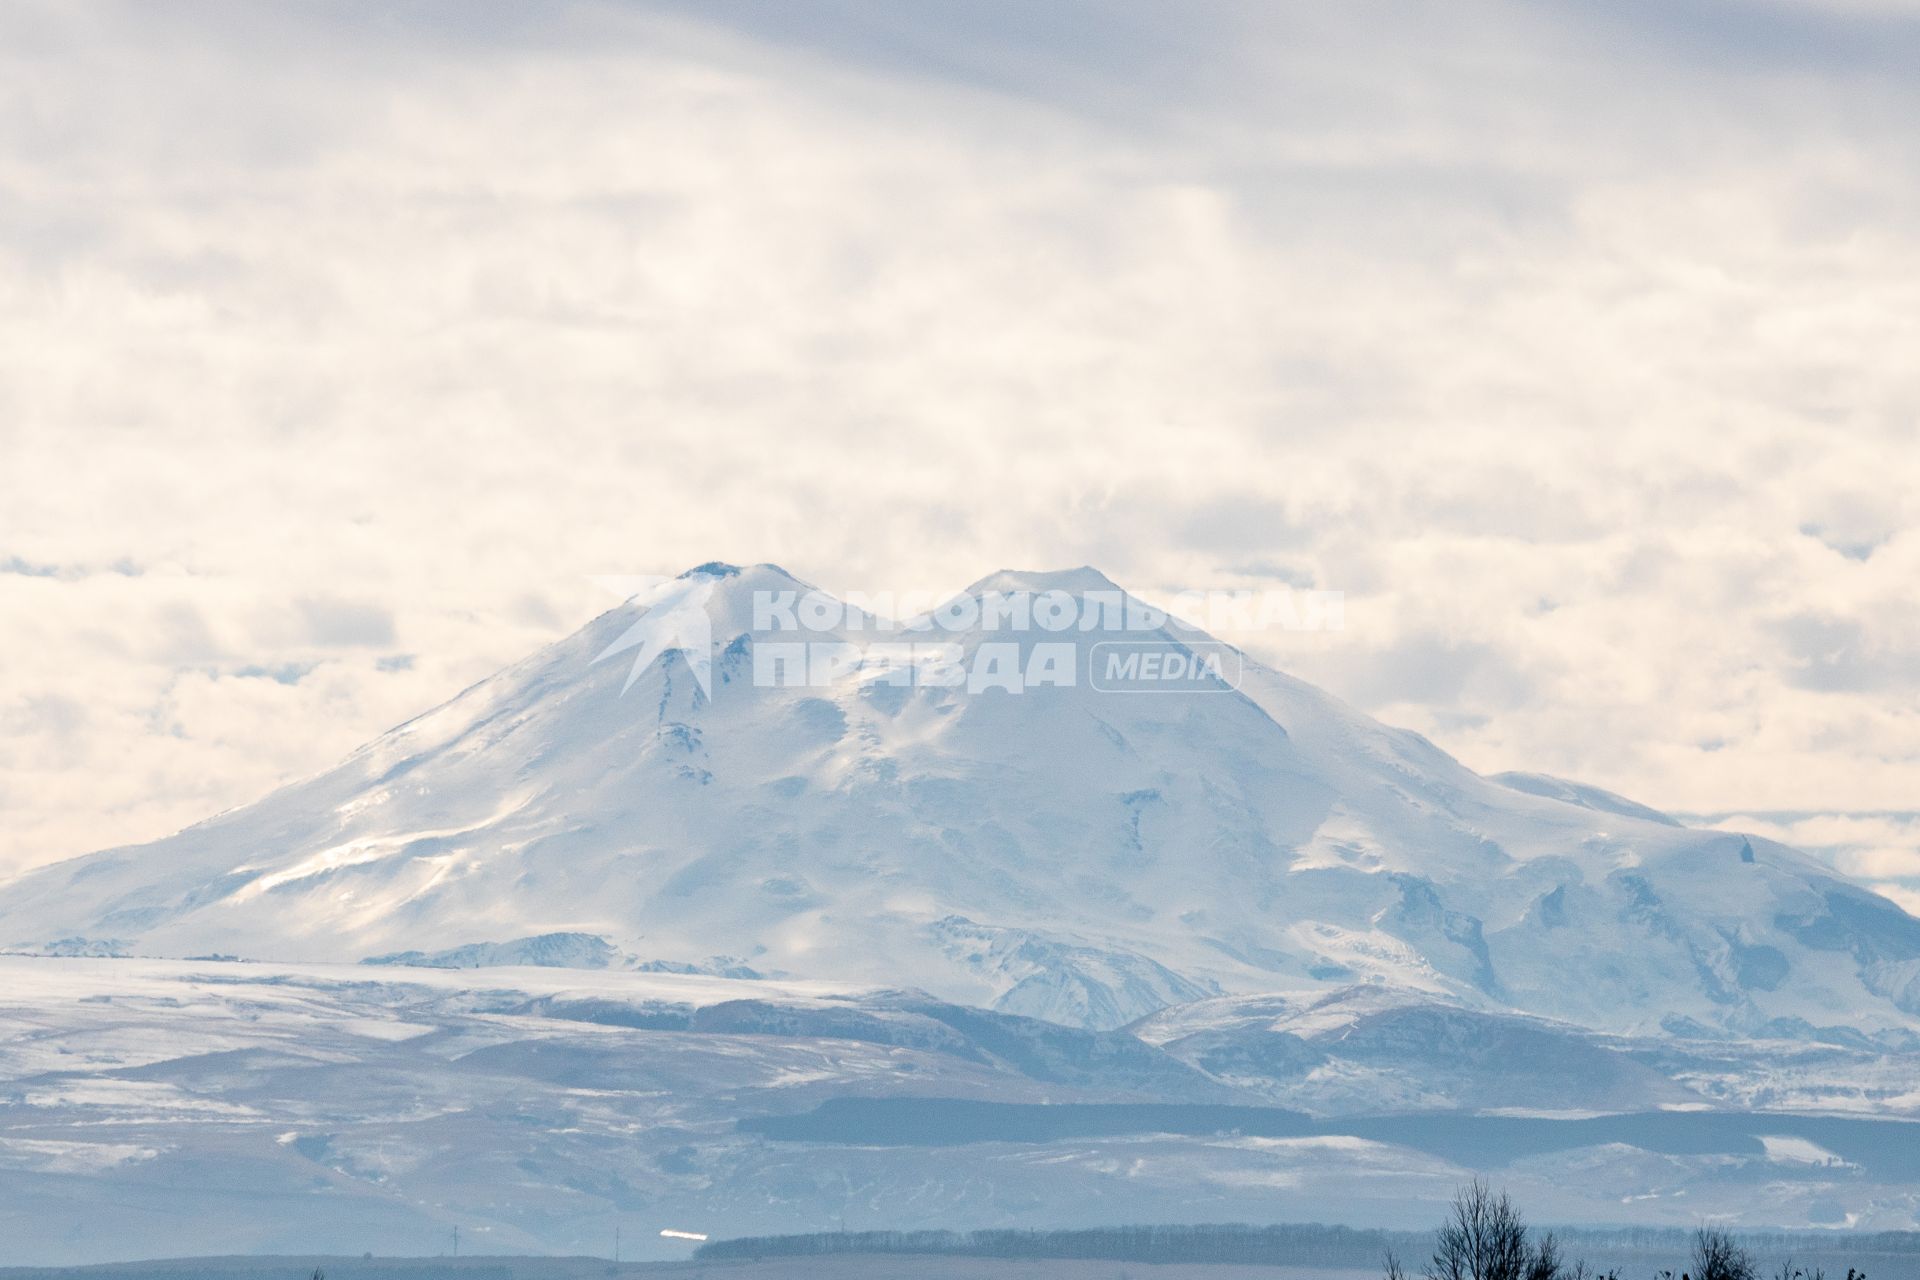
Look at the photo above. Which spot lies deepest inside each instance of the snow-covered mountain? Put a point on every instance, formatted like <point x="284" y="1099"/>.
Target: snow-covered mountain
<point x="1064" y="851"/>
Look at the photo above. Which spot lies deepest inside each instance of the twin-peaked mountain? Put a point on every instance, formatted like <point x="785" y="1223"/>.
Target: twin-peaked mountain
<point x="1075" y="852"/>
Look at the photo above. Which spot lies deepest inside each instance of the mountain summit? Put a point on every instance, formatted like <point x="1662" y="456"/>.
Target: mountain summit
<point x="969" y="804"/>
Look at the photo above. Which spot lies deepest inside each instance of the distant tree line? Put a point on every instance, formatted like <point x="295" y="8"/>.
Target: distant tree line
<point x="1208" y="1242"/>
<point x="1483" y="1238"/>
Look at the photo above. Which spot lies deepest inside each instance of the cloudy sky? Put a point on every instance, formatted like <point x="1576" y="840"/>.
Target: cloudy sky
<point x="341" y="346"/>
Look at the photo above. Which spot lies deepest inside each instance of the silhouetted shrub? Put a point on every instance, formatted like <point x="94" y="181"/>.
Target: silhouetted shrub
<point x="1718" y="1256"/>
<point x="1484" y="1238"/>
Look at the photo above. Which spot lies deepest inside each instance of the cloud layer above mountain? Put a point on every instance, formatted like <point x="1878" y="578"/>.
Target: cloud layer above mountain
<point x="1572" y="342"/>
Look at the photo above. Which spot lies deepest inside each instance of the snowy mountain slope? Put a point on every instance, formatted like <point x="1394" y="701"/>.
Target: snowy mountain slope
<point x="171" y="1107"/>
<point x="1375" y="1049"/>
<point x="1365" y="1048"/>
<point x="1588" y="797"/>
<point x="1081" y="854"/>
<point x="548" y="951"/>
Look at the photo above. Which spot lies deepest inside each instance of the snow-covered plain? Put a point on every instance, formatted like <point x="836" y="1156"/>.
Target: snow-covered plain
<point x="770" y="897"/>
